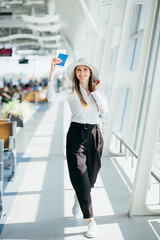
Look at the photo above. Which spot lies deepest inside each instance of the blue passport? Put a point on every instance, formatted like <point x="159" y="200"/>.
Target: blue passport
<point x="63" y="57"/>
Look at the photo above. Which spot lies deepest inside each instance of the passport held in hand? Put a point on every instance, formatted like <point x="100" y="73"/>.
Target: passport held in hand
<point x="63" y="57"/>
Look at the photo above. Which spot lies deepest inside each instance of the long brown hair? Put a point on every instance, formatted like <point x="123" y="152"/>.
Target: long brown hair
<point x="75" y="86"/>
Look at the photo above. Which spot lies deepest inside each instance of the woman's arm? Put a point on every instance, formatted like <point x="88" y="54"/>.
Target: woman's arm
<point x="52" y="71"/>
<point x="5" y="94"/>
<point x="51" y="95"/>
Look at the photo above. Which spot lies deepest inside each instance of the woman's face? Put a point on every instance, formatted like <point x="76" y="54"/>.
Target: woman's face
<point x="83" y="73"/>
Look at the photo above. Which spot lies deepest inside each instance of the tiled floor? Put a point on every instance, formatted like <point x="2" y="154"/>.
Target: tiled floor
<point x="38" y="202"/>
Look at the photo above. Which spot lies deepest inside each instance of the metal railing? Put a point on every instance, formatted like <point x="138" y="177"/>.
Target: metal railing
<point x="134" y="154"/>
<point x="128" y="147"/>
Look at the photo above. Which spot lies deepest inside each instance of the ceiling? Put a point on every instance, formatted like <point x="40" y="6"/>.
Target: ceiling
<point x="40" y="27"/>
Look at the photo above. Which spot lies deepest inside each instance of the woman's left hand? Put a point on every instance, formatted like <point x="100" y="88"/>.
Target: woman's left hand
<point x="96" y="85"/>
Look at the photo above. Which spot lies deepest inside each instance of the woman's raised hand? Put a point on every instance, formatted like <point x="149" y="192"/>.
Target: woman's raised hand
<point x="54" y="62"/>
<point x="96" y="85"/>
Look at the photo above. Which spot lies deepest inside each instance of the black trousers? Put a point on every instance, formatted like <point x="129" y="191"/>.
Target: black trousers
<point x="84" y="149"/>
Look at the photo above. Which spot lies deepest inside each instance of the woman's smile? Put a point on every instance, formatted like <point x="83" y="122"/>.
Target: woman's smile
<point x="82" y="72"/>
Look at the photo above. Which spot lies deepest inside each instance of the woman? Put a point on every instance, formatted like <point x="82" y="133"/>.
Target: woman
<point x="6" y="95"/>
<point x="84" y="139"/>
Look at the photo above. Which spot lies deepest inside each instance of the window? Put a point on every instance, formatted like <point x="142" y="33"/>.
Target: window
<point x="147" y="86"/>
<point x="135" y="37"/>
<point x="114" y="51"/>
<point x="123" y="111"/>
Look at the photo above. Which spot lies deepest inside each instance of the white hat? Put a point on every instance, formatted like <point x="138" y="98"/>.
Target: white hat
<point x="81" y="61"/>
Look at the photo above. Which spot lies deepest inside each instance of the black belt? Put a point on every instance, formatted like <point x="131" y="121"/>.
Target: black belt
<point x="84" y="125"/>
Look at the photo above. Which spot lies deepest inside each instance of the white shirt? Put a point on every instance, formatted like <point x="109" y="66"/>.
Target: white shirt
<point x="79" y="113"/>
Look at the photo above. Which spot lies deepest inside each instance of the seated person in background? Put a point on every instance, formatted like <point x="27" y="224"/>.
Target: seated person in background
<point x="15" y="93"/>
<point x="37" y="87"/>
<point x="27" y="87"/>
<point x="6" y="95"/>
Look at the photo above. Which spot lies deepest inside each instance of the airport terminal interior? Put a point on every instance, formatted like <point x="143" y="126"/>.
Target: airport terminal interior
<point x="121" y="38"/>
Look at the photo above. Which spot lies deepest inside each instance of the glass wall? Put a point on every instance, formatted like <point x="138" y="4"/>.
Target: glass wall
<point x="135" y="37"/>
<point x="113" y="60"/>
<point x="123" y="111"/>
<point x="131" y="63"/>
<point x="147" y="86"/>
<point x="114" y="51"/>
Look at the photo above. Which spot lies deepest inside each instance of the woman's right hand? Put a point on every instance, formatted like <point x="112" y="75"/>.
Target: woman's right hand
<point x="54" y="62"/>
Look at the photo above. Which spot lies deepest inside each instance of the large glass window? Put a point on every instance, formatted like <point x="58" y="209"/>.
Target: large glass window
<point x="135" y="37"/>
<point x="123" y="111"/>
<point x="114" y="51"/>
<point x="147" y="86"/>
<point x="113" y="60"/>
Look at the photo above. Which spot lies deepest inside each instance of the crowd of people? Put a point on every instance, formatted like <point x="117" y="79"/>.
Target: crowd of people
<point x="12" y="91"/>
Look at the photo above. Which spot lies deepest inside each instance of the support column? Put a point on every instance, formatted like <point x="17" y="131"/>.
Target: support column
<point x="50" y="6"/>
<point x="143" y="171"/>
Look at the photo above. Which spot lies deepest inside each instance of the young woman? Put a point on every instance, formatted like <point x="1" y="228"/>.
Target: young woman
<point x="6" y="95"/>
<point x="84" y="139"/>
